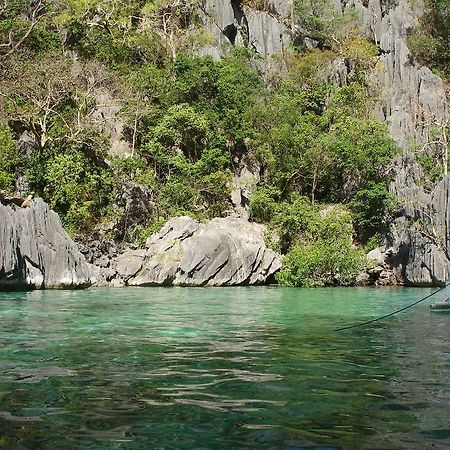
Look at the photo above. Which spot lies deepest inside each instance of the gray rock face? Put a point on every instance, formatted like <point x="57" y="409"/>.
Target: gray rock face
<point x="136" y="201"/>
<point x="411" y="94"/>
<point x="267" y="33"/>
<point x="106" y="113"/>
<point x="243" y="184"/>
<point x="421" y="237"/>
<point x="411" y="99"/>
<point x="36" y="252"/>
<point x="109" y="121"/>
<point x="223" y="252"/>
<point x="268" y="37"/>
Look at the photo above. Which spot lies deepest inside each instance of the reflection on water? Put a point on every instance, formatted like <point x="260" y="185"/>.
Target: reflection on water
<point x="222" y="368"/>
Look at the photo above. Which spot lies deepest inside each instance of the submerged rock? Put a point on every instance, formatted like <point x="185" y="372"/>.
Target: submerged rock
<point x="223" y="252"/>
<point x="36" y="252"/>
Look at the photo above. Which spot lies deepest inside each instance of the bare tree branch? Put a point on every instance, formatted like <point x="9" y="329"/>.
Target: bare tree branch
<point x="35" y="18"/>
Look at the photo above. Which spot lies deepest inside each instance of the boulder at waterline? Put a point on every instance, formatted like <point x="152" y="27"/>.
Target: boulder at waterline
<point x="36" y="252"/>
<point x="222" y="252"/>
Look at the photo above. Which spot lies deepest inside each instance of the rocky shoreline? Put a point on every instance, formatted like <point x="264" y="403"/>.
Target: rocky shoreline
<point x="37" y="253"/>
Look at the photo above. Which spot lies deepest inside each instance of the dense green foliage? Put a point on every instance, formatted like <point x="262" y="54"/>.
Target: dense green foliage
<point x="323" y="253"/>
<point x="430" y="42"/>
<point x="9" y="159"/>
<point x="318" y="240"/>
<point x="319" y="140"/>
<point x="190" y="121"/>
<point x="67" y="166"/>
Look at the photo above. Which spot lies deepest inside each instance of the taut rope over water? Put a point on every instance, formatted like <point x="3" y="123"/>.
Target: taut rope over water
<point x="392" y="313"/>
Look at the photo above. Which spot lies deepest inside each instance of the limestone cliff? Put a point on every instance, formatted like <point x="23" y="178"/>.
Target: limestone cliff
<point x="411" y="99"/>
<point x="267" y="33"/>
<point x="411" y="95"/>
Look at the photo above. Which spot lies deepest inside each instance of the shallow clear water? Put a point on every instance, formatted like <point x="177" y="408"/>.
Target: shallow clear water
<point x="222" y="368"/>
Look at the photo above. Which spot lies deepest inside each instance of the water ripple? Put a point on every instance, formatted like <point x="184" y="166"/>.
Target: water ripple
<point x="222" y="368"/>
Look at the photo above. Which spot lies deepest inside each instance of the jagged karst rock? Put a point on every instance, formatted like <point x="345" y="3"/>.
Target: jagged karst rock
<point x="268" y="37"/>
<point x="268" y="33"/>
<point x="411" y="94"/>
<point x="136" y="201"/>
<point x="380" y="271"/>
<point x="107" y="115"/>
<point x="99" y="250"/>
<point x="411" y="98"/>
<point x="243" y="184"/>
<point x="36" y="252"/>
<point x="363" y="279"/>
<point x="376" y="255"/>
<point x="129" y="263"/>
<point x="223" y="252"/>
<point x="420" y="238"/>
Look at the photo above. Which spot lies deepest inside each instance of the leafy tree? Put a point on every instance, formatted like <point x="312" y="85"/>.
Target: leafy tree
<point x="187" y="120"/>
<point x="66" y="164"/>
<point x="18" y="23"/>
<point x="183" y="132"/>
<point x="372" y="206"/>
<point x="318" y="243"/>
<point x="363" y="150"/>
<point x="321" y="264"/>
<point x="10" y="159"/>
<point x="41" y="96"/>
<point x="320" y="141"/>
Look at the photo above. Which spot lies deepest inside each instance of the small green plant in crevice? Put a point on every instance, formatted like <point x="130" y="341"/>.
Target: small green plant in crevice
<point x="322" y="21"/>
<point x="260" y="5"/>
<point x="433" y="169"/>
<point x="139" y="234"/>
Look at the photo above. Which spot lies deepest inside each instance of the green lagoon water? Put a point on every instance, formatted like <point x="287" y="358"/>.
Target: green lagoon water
<point x="222" y="368"/>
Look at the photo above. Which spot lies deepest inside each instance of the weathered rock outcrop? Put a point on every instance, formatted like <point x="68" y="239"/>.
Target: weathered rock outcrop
<point x="420" y="238"/>
<point x="411" y="95"/>
<point x="223" y="252"/>
<point x="267" y="33"/>
<point x="36" y="252"/>
<point x="412" y="99"/>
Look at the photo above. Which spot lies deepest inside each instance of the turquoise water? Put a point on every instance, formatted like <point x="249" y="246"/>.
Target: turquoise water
<point x="222" y="368"/>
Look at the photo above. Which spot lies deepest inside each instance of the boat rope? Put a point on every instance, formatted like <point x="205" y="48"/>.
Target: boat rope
<point x="392" y="313"/>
